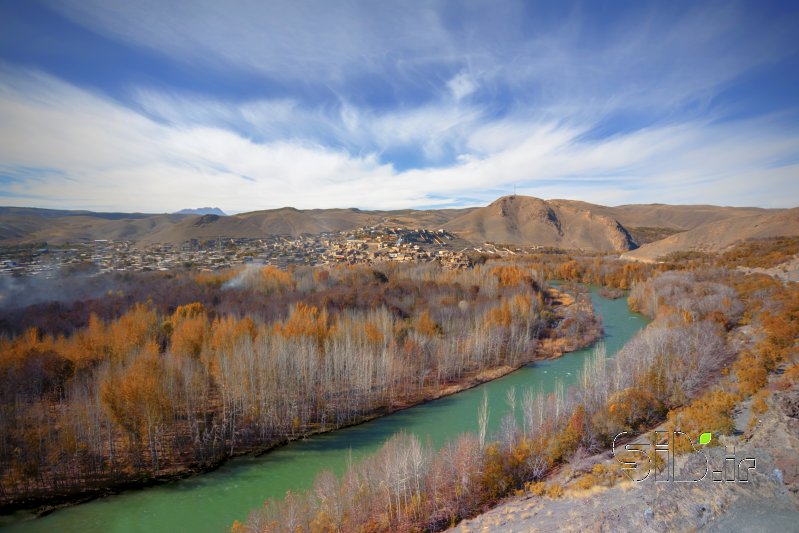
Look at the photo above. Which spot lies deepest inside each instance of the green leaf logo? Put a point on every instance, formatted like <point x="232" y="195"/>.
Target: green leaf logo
<point x="704" y="438"/>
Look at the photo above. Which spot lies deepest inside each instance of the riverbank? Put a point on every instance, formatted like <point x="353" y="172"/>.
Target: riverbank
<point x="559" y="303"/>
<point x="767" y="501"/>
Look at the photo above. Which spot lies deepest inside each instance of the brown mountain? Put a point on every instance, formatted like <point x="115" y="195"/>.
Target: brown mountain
<point x="531" y="221"/>
<point x="675" y="217"/>
<point x="37" y="225"/>
<point x="513" y="220"/>
<point x="718" y="235"/>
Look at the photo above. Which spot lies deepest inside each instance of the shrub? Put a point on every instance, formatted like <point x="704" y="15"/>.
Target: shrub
<point x="586" y="482"/>
<point x="759" y="405"/>
<point x="536" y="488"/>
<point x="711" y="412"/>
<point x="751" y="373"/>
<point x="554" y="491"/>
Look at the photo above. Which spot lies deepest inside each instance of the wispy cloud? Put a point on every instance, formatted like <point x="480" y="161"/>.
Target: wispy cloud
<point x="380" y="105"/>
<point x="114" y="158"/>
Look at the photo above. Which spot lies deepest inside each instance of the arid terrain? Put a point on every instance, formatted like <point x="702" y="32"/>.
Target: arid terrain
<point x="642" y="232"/>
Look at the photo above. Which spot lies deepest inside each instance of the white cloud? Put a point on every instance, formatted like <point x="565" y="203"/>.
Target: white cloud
<point x="462" y="85"/>
<point x="288" y="38"/>
<point x="109" y="157"/>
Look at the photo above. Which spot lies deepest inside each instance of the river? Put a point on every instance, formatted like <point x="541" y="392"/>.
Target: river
<point x="212" y="501"/>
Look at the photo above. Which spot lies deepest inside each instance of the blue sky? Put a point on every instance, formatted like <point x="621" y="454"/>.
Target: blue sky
<point x="157" y="106"/>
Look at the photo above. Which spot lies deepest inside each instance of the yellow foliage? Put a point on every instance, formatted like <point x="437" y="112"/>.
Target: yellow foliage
<point x="586" y="482"/>
<point x="536" y="488"/>
<point x="554" y="491"/>
<point x="759" y="405"/>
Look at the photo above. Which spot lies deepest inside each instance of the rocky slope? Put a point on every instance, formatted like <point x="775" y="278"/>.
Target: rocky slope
<point x="526" y="220"/>
<point x="716" y="236"/>
<point x="769" y="501"/>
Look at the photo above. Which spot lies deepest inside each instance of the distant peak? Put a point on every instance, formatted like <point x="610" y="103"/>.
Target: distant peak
<point x="202" y="211"/>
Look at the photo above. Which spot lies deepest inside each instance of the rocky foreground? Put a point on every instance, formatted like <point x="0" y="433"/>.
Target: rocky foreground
<point x="768" y="501"/>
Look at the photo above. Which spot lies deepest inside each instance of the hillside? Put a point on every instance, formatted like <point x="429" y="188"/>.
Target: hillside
<point x="718" y="235"/>
<point x="20" y="224"/>
<point x="521" y="220"/>
<point x="674" y="217"/>
<point x="531" y="221"/>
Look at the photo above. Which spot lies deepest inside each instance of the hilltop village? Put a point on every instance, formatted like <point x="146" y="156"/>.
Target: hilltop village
<point x="363" y="246"/>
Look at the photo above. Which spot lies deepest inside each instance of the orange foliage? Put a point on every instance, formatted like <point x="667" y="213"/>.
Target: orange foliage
<point x="711" y="412"/>
<point x="508" y="276"/>
<point x="305" y="321"/>
<point x="215" y="279"/>
<point x="189" y="336"/>
<point x="189" y="328"/>
<point x="427" y="326"/>
<point x="228" y="331"/>
<point x="569" y="271"/>
<point x="373" y="333"/>
<point x="136" y="397"/>
<point x="792" y="373"/>
<point x="132" y="331"/>
<point x="567" y="441"/>
<point x="494" y="479"/>
<point x="632" y="409"/>
<point x="191" y="310"/>
<point x="276" y="280"/>
<point x="321" y="276"/>
<point x="751" y="373"/>
<point x="500" y="316"/>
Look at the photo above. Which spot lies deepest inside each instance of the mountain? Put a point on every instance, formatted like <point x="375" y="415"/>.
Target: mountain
<point x="674" y="217"/>
<point x="202" y="211"/>
<point x="521" y="220"/>
<point x="531" y="221"/>
<point x="21" y="224"/>
<point x="718" y="235"/>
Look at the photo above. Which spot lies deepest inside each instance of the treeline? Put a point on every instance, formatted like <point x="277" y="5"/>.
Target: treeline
<point x="151" y="393"/>
<point x="597" y="269"/>
<point x="677" y="369"/>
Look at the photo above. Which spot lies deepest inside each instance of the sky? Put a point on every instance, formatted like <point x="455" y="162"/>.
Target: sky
<point x="157" y="106"/>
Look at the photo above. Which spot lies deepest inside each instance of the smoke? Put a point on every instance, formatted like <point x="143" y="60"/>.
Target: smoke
<point x="246" y="279"/>
<point x="62" y="286"/>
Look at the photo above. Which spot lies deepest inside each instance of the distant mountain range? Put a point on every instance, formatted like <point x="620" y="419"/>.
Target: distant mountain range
<point x="643" y="232"/>
<point x="202" y="211"/>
